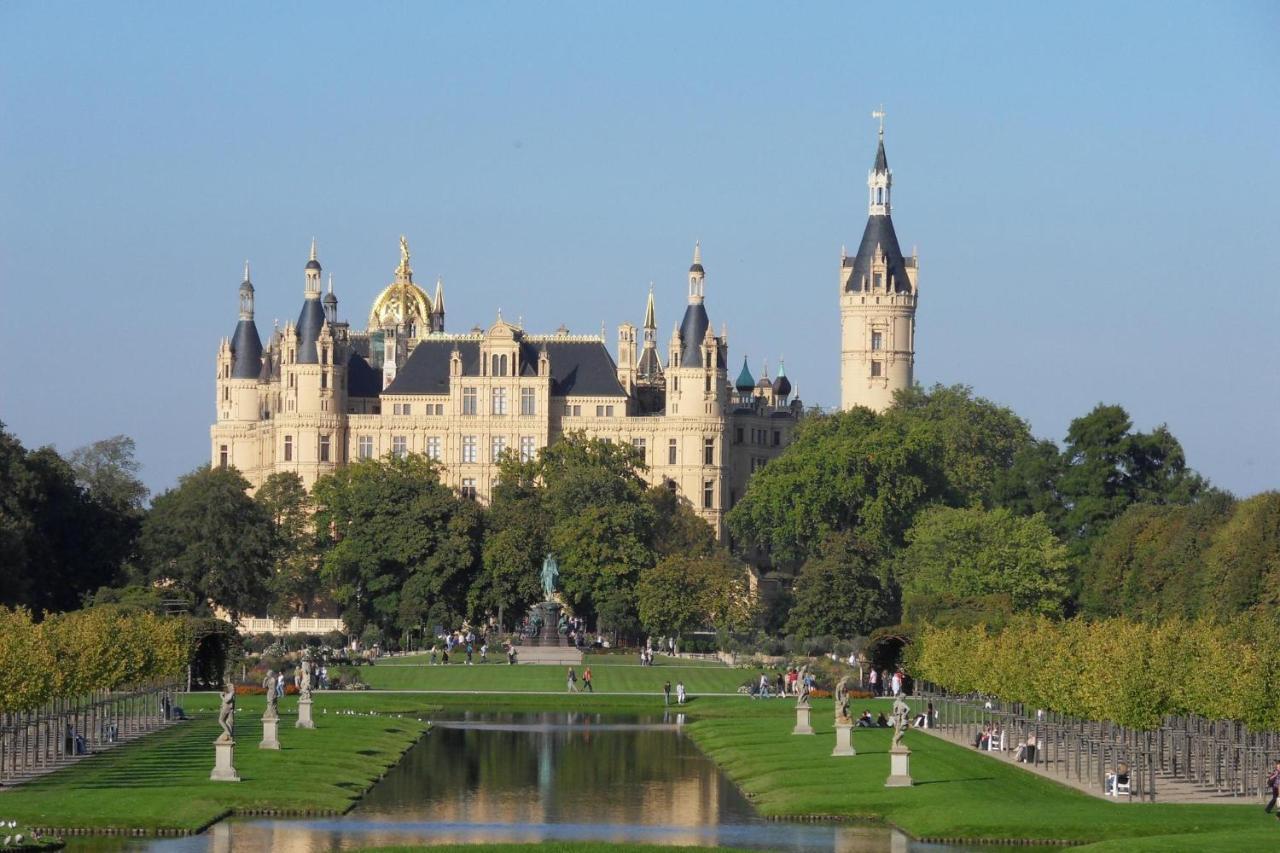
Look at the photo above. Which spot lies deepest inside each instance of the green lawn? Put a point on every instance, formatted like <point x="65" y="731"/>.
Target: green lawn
<point x="162" y="780"/>
<point x="959" y="793"/>
<point x="611" y="674"/>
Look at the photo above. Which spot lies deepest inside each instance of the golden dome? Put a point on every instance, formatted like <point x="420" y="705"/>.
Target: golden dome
<point x="402" y="302"/>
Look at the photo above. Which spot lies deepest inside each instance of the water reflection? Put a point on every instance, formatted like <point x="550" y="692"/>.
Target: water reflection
<point x="537" y="777"/>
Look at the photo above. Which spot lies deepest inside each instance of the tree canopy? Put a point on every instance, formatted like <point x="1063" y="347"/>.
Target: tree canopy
<point x="844" y="591"/>
<point x="209" y="539"/>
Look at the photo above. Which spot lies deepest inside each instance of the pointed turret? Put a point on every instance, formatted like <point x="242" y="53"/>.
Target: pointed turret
<point x="311" y="319"/>
<point x="649" y="369"/>
<point x="331" y="303"/>
<point x="694" y="326"/>
<point x="437" y="306"/>
<point x="246" y="346"/>
<point x="782" y="385"/>
<point x="878" y="264"/>
<point x="746" y="383"/>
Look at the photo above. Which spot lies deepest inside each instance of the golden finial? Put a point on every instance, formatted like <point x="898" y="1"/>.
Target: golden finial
<point x="404" y="257"/>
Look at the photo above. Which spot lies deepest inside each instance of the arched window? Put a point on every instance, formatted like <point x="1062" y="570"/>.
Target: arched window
<point x="502" y="365"/>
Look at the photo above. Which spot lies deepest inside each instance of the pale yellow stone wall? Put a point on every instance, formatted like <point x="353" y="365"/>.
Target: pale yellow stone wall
<point x="308" y="402"/>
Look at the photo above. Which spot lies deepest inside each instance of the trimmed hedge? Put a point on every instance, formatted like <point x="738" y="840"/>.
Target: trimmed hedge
<point x="1129" y="672"/>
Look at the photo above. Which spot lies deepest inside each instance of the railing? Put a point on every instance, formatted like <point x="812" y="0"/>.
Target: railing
<point x="41" y="740"/>
<point x="296" y="625"/>
<point x="1210" y="757"/>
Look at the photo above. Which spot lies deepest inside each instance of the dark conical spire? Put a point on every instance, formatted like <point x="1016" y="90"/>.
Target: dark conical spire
<point x="746" y="383"/>
<point x="882" y="162"/>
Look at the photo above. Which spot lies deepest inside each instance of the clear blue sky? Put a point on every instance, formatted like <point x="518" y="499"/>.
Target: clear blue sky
<point x="1094" y="190"/>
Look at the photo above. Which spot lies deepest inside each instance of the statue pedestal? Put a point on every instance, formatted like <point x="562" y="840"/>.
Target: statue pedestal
<point x="269" y="737"/>
<point x="223" y="769"/>
<point x="844" y="740"/>
<point x="304" y="715"/>
<point x="802" y="721"/>
<point x="899" y="768"/>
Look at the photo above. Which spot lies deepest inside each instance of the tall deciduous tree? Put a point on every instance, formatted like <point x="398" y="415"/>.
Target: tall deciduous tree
<point x="404" y="547"/>
<point x="295" y="580"/>
<point x="842" y="592"/>
<point x="976" y="552"/>
<point x="210" y="539"/>
<point x="683" y="593"/>
<point x="515" y="544"/>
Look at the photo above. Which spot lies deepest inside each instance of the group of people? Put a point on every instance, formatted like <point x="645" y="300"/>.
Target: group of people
<point x="461" y="642"/>
<point x="991" y="737"/>
<point x="884" y="683"/>
<point x="681" y="695"/>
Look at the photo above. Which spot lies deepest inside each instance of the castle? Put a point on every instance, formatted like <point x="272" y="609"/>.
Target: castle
<point x="322" y="394"/>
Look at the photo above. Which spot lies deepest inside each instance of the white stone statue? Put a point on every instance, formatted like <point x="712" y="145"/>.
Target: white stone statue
<point x="227" y="714"/>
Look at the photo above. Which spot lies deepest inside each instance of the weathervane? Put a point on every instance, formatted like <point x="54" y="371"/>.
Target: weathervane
<point x="880" y="115"/>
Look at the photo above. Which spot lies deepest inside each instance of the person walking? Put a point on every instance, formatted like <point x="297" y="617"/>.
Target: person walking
<point x="666" y="692"/>
<point x="873" y="681"/>
<point x="484" y="652"/>
<point x="586" y="680"/>
<point x="280" y="685"/>
<point x="573" y="681"/>
<point x="1273" y="782"/>
<point x="468" y="654"/>
<point x="680" y="692"/>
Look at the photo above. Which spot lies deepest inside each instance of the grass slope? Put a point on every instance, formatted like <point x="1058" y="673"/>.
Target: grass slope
<point x="546" y="847"/>
<point x="958" y="793"/>
<point x="611" y="674"/>
<point x="161" y="782"/>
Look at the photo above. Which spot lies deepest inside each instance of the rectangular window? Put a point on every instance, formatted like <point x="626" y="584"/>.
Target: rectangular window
<point x="527" y="448"/>
<point x="288" y="448"/>
<point x="756" y="464"/>
<point x="498" y="444"/>
<point x="608" y="411"/>
<point x="708" y="451"/>
<point x="528" y="401"/>
<point x="671" y="452"/>
<point x="577" y="411"/>
<point x="638" y="444"/>
<point x="324" y="448"/>
<point x="468" y="401"/>
<point x="877" y="369"/>
<point x="399" y="446"/>
<point x="876" y="280"/>
<point x="877" y="340"/>
<point x="324" y="380"/>
<point x="708" y="493"/>
<point x="469" y="488"/>
<point x="433" y="447"/>
<point x="499" y="401"/>
<point x="365" y="447"/>
<point x="468" y="448"/>
<point x="737" y="436"/>
<point x="599" y="411"/>
<point x="224" y="457"/>
<point x="777" y="438"/>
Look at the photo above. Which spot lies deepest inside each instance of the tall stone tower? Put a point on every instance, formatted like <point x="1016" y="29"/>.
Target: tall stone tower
<point x="878" y="298"/>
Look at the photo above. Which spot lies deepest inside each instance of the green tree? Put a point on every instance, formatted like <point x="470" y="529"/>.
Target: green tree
<point x="684" y="593"/>
<point x="979" y="439"/>
<point x="841" y="592"/>
<point x="602" y="526"/>
<point x="108" y="471"/>
<point x="405" y="547"/>
<point x="295" y="580"/>
<point x="976" y="552"/>
<point x="853" y="472"/>
<point x="211" y="540"/>
<point x="1242" y="563"/>
<point x="678" y="529"/>
<point x="515" y="543"/>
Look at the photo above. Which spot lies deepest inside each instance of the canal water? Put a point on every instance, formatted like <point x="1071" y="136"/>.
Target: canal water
<point x="487" y="777"/>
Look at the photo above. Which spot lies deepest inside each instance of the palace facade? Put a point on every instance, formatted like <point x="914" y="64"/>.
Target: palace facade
<point x="321" y="393"/>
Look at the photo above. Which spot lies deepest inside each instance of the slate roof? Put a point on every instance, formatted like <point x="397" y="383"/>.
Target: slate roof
<point x="879" y="232"/>
<point x="692" y="330"/>
<point x="246" y="351"/>
<point x="310" y="322"/>
<point x="363" y="380"/>
<point x="650" y="367"/>
<point x="577" y="367"/>
<point x="882" y="162"/>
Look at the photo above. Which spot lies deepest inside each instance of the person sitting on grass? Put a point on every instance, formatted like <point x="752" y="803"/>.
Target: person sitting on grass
<point x="865" y="720"/>
<point x="882" y="721"/>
